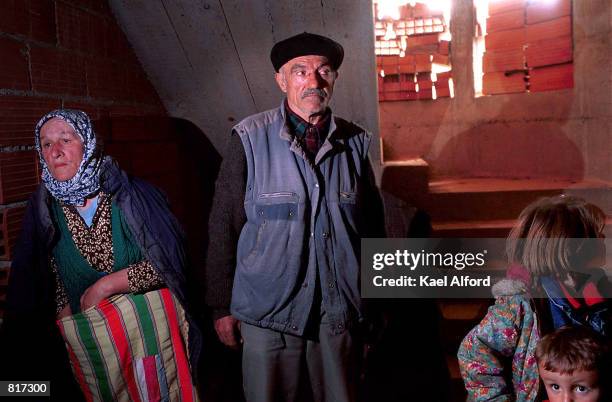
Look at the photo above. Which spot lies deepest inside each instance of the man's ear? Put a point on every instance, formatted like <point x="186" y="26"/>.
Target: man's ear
<point x="281" y="81"/>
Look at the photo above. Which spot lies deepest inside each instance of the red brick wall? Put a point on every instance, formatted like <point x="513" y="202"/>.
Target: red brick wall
<point x="59" y="53"/>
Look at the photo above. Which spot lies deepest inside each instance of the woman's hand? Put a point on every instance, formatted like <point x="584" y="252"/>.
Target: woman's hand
<point x="65" y="312"/>
<point x="108" y="285"/>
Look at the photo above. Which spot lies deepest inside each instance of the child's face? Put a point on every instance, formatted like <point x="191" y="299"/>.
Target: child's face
<point x="580" y="386"/>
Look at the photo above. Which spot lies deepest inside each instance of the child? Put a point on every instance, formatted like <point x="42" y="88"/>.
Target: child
<point x="573" y="363"/>
<point x="554" y="237"/>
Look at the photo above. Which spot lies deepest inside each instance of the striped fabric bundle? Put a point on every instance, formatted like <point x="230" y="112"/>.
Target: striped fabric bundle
<point x="130" y="348"/>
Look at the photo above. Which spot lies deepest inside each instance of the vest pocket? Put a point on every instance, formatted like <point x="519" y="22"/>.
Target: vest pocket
<point x="274" y="213"/>
<point x="277" y="206"/>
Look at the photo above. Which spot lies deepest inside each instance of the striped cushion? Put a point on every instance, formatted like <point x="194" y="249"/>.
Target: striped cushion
<point x="130" y="348"/>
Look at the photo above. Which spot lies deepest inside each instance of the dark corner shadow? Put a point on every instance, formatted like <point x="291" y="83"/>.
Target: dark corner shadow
<point x="407" y="362"/>
<point x="199" y="164"/>
<point x="219" y="368"/>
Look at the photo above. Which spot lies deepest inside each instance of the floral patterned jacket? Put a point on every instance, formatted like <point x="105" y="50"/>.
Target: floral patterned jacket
<point x="497" y="357"/>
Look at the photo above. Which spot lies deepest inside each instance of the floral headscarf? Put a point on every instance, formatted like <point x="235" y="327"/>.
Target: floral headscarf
<point x="86" y="181"/>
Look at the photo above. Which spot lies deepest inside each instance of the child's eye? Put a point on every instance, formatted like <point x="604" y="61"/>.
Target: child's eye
<point x="555" y="387"/>
<point x="581" y="389"/>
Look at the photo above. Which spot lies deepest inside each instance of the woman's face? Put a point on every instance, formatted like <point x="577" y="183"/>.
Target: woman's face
<point x="61" y="148"/>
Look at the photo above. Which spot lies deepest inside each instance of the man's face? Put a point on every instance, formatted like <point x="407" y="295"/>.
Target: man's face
<point x="308" y="82"/>
<point x="61" y="148"/>
<point x="580" y="386"/>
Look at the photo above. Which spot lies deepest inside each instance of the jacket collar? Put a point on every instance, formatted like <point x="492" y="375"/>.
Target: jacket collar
<point x="331" y="141"/>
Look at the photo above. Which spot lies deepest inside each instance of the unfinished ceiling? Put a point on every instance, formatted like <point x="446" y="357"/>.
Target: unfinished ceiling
<point x="209" y="60"/>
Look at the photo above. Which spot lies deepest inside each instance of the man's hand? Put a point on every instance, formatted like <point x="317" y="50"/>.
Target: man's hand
<point x="228" y="331"/>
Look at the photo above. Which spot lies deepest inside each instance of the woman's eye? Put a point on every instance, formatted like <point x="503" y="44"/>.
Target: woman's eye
<point x="66" y="140"/>
<point x="46" y="145"/>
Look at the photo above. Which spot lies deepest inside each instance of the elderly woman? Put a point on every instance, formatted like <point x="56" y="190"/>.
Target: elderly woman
<point x="101" y="253"/>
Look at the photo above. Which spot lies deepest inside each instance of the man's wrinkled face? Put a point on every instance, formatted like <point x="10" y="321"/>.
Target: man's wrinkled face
<point x="61" y="148"/>
<point x="580" y="386"/>
<point x="308" y="82"/>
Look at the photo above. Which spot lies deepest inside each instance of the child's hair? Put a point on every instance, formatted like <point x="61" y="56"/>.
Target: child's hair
<point x="570" y="349"/>
<point x="544" y="239"/>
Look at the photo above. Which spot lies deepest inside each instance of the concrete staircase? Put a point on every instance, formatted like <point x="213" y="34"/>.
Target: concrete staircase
<point x="480" y="207"/>
<point x="476" y="207"/>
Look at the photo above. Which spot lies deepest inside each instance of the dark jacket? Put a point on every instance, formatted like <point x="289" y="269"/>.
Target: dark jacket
<point x="30" y="339"/>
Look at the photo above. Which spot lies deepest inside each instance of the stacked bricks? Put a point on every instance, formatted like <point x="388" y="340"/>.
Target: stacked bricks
<point x="528" y="46"/>
<point x="408" y="77"/>
<point x="60" y="53"/>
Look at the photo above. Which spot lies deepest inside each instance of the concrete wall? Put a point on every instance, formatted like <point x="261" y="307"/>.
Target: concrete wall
<point x="556" y="134"/>
<point x="210" y="62"/>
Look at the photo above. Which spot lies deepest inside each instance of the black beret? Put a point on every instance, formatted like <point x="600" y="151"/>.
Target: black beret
<point x="306" y="44"/>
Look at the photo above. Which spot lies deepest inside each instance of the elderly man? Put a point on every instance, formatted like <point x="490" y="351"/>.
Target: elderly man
<point x="286" y="225"/>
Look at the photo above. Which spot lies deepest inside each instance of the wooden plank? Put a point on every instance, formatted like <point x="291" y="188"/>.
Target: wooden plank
<point x="549" y="52"/>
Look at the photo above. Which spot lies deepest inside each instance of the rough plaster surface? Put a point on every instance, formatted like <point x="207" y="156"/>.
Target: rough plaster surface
<point x="556" y="134"/>
<point x="209" y="60"/>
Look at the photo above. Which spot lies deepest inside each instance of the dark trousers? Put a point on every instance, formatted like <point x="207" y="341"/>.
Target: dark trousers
<point x="278" y="367"/>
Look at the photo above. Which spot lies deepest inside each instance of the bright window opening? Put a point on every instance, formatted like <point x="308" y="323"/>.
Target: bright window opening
<point x="522" y="46"/>
<point x="413" y="49"/>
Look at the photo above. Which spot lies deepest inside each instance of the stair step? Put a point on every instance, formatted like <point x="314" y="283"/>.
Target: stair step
<point x="495" y="228"/>
<point x="458" y="318"/>
<point x="503" y="199"/>
<point x="4" y="274"/>
<point x="407" y="179"/>
<point x="466" y="310"/>
<point x="486" y="185"/>
<point x="453" y="367"/>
